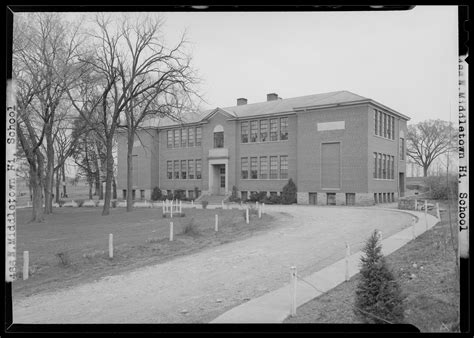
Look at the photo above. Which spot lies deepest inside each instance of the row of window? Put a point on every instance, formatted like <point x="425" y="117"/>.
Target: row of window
<point x="184" y="137"/>
<point x="402" y="148"/>
<point x="384" y="166"/>
<point x="264" y="130"/>
<point x="184" y="169"/>
<point x="382" y="197"/>
<point x="264" y="167"/>
<point x="384" y="125"/>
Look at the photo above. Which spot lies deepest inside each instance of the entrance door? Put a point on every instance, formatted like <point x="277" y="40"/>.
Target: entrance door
<point x="222" y="180"/>
<point x="313" y="198"/>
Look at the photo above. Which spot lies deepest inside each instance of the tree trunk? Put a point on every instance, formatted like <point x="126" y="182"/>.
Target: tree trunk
<point x="90" y="189"/>
<point x="49" y="177"/>
<point x="130" y="170"/>
<point x="425" y="171"/>
<point x="114" y="189"/>
<point x="108" y="177"/>
<point x="63" y="171"/>
<point x="36" y="183"/>
<point x="58" y="185"/>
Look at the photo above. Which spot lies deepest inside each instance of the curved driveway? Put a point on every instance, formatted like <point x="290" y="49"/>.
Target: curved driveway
<point x="199" y="287"/>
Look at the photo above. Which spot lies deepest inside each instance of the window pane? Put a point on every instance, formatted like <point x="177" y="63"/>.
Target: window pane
<point x="380" y="124"/>
<point x="244" y="132"/>
<point x="170" y="138"/>
<point x="191" y="169"/>
<point x="198" y="169"/>
<point x="253" y="131"/>
<point x="198" y="136"/>
<point x="402" y="149"/>
<point x="393" y="128"/>
<point x="184" y="138"/>
<point x="183" y="169"/>
<point x="384" y="125"/>
<point x="191" y="137"/>
<point x="273" y="167"/>
<point x="380" y="165"/>
<point x="284" y="128"/>
<point x="176" y="169"/>
<point x="169" y="169"/>
<point x="177" y="140"/>
<point x="376" y="118"/>
<point x="375" y="165"/>
<point x="263" y="130"/>
<point x="244" y="162"/>
<point x="384" y="164"/>
<point x="389" y="127"/>
<point x="253" y="168"/>
<point x="283" y="167"/>
<point x="273" y="129"/>
<point x="393" y="167"/>
<point x="219" y="139"/>
<point x="263" y="167"/>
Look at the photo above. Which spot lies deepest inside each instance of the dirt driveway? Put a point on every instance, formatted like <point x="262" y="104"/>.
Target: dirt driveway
<point x="198" y="288"/>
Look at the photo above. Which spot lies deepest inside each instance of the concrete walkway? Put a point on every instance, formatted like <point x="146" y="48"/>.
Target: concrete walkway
<point x="274" y="307"/>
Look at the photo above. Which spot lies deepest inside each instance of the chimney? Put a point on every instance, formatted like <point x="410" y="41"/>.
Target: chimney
<point x="272" y="97"/>
<point x="241" y="101"/>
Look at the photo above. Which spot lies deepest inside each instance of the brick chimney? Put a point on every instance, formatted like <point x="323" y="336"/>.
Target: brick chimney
<point x="272" y="97"/>
<point x="241" y="101"/>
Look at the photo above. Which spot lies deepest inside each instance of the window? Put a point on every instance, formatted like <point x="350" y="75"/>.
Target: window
<point x="253" y="168"/>
<point x="191" y="137"/>
<point x="198" y="136"/>
<point x="380" y="165"/>
<point x="389" y="127"/>
<point x="191" y="194"/>
<point x="384" y="125"/>
<point x="393" y="167"/>
<point x="380" y="124"/>
<point x="402" y="148"/>
<point x="273" y="129"/>
<point x="176" y="138"/>
<point x="219" y="139"/>
<point x="253" y="131"/>
<point x="384" y="166"/>
<point x="350" y="198"/>
<point x="393" y="128"/>
<point x="388" y="167"/>
<point x="244" y="164"/>
<point x="375" y="197"/>
<point x="263" y="130"/>
<point x="263" y="167"/>
<point x="244" y="132"/>
<point x="176" y="170"/>
<point x="183" y="169"/>
<point x="376" y="116"/>
<point x="168" y="192"/>
<point x="124" y="194"/>
<point x="191" y="169"/>
<point x="331" y="198"/>
<point x="170" y="138"/>
<point x="273" y="167"/>
<point x="273" y="194"/>
<point x="184" y="138"/>
<point x="198" y="169"/>
<point x="284" y="128"/>
<point x="244" y="195"/>
<point x="169" y="169"/>
<point x="142" y="194"/>
<point x="375" y="165"/>
<point x="283" y="167"/>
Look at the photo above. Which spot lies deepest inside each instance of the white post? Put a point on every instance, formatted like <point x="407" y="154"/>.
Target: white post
<point x="348" y="253"/>
<point x="413" y="222"/>
<point x="256" y="204"/>
<point x="29" y="204"/>
<point x="26" y="263"/>
<point x="192" y="202"/>
<point x="247" y="215"/>
<point x="216" y="227"/>
<point x="263" y="208"/>
<point x="111" y="246"/>
<point x="437" y="211"/>
<point x="222" y="204"/>
<point x="293" y="291"/>
<point x="416" y="204"/>
<point x="171" y="231"/>
<point x="259" y="211"/>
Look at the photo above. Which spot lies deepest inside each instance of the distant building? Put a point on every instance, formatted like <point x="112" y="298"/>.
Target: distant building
<point x="339" y="148"/>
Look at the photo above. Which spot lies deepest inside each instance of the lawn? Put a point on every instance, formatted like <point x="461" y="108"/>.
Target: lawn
<point x="71" y="246"/>
<point x="426" y="271"/>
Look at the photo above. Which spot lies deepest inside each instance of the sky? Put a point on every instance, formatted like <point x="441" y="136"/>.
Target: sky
<point x="406" y="60"/>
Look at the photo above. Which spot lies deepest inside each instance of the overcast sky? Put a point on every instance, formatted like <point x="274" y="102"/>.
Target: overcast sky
<point x="405" y="60"/>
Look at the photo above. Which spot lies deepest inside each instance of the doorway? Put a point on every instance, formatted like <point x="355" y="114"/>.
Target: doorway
<point x="222" y="180"/>
<point x="401" y="183"/>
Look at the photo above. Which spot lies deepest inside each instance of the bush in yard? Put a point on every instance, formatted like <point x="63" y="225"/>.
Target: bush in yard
<point x="233" y="197"/>
<point x="204" y="204"/>
<point x="288" y="195"/>
<point x="180" y="194"/>
<point x="440" y="187"/>
<point x="378" y="292"/>
<point x="156" y="194"/>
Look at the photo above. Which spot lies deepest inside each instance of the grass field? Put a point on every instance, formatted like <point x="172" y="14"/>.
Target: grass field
<point x="71" y="246"/>
<point x="432" y="294"/>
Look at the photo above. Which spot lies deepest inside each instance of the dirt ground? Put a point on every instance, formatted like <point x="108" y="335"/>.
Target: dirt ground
<point x="197" y="288"/>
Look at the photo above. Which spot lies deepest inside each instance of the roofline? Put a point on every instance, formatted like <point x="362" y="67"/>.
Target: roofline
<point x="288" y="112"/>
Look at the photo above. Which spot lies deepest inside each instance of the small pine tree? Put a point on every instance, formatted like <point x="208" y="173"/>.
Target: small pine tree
<point x="378" y="292"/>
<point x="288" y="195"/>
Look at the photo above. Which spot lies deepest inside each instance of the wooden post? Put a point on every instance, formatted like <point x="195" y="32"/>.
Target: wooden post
<point x="216" y="227"/>
<point x="26" y="263"/>
<point x="348" y="253"/>
<point x="171" y="231"/>
<point x="437" y="211"/>
<point x="416" y="204"/>
<point x="293" y="291"/>
<point x="413" y="222"/>
<point x="259" y="211"/>
<point x="247" y="215"/>
<point x="111" y="246"/>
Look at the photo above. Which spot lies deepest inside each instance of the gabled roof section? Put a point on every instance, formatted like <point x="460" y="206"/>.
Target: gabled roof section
<point x="222" y="111"/>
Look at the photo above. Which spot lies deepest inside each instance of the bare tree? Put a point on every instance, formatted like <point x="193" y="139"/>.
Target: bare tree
<point x="428" y="140"/>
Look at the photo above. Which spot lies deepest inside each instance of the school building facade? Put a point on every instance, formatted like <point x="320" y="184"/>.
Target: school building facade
<point x="339" y="148"/>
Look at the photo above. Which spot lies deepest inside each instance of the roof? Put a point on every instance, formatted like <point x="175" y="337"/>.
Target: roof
<point x="274" y="107"/>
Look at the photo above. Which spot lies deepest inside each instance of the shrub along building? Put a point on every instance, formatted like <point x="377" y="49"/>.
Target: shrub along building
<point x="339" y="148"/>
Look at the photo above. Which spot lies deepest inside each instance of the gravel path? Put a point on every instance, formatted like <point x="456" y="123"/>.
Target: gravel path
<point x="198" y="288"/>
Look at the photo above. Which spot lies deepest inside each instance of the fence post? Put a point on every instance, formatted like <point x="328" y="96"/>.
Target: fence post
<point x="111" y="246"/>
<point x="26" y="263"/>
<point x="259" y="211"/>
<point x="192" y="202"/>
<point x="293" y="291"/>
<point x="222" y="204"/>
<point x="247" y="215"/>
<point x="413" y="230"/>
<point x="416" y="204"/>
<point x="216" y="227"/>
<point x="348" y="253"/>
<point x="437" y="211"/>
<point x="263" y="208"/>
<point x="171" y="231"/>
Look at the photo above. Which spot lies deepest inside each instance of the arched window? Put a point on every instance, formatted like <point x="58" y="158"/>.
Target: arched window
<point x="218" y="136"/>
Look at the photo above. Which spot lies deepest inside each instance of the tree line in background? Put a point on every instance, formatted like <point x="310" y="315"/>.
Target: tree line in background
<point x="78" y="85"/>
